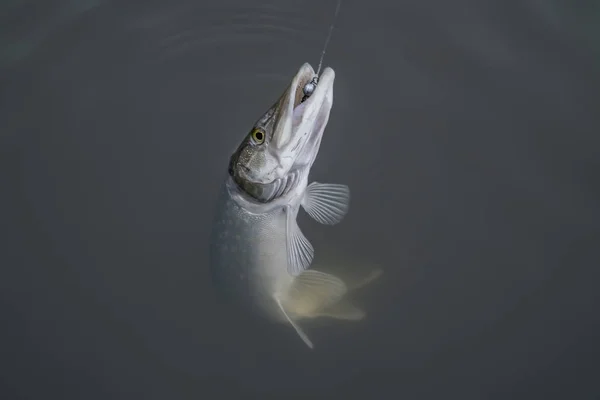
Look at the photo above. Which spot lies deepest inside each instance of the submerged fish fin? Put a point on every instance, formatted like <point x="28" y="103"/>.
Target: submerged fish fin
<point x="312" y="291"/>
<point x="294" y="325"/>
<point x="326" y="203"/>
<point x="365" y="281"/>
<point x="300" y="252"/>
<point x="342" y="310"/>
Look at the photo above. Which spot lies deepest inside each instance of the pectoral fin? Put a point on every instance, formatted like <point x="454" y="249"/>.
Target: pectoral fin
<point x="300" y="252"/>
<point x="326" y="203"/>
<point x="294" y="325"/>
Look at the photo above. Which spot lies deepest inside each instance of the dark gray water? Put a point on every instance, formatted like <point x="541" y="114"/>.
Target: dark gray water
<point x="468" y="132"/>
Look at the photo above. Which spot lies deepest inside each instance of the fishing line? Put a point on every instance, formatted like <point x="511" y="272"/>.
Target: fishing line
<point x="309" y="88"/>
<point x="337" y="10"/>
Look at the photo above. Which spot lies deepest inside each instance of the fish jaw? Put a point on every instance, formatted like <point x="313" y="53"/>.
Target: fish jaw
<point x="293" y="130"/>
<point x="300" y="124"/>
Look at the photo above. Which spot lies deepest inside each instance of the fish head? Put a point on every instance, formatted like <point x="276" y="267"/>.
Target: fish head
<point x="282" y="145"/>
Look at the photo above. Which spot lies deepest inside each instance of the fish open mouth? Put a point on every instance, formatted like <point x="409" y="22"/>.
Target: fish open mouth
<point x="298" y="122"/>
<point x="292" y="110"/>
<point x="305" y="75"/>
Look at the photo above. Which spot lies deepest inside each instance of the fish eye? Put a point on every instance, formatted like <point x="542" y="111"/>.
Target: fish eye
<point x="258" y="135"/>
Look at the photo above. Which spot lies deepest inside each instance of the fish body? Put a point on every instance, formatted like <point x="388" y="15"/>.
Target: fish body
<point x="248" y="249"/>
<point x="259" y="256"/>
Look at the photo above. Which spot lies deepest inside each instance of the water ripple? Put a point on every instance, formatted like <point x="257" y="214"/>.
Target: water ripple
<point x="185" y="29"/>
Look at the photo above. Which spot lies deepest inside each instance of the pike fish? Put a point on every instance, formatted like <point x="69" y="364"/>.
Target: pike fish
<point x="259" y="255"/>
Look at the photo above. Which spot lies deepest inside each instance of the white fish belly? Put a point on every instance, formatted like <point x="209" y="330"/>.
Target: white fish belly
<point x="248" y="256"/>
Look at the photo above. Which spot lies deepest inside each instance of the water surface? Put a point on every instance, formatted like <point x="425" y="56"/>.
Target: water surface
<point x="467" y="131"/>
